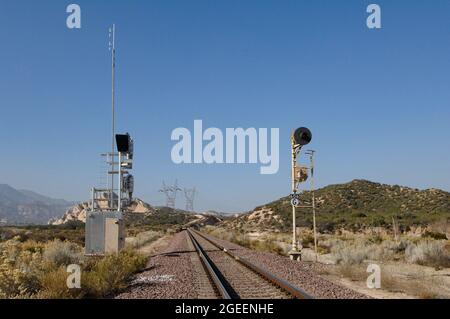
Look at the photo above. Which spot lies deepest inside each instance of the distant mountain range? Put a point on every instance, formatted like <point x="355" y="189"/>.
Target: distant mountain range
<point x="353" y="205"/>
<point x="23" y="207"/>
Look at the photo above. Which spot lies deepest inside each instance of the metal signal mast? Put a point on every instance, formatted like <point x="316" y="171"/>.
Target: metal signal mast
<point x="105" y="225"/>
<point x="299" y="174"/>
<point x="171" y="193"/>
<point x="112" y="48"/>
<point x="189" y="194"/>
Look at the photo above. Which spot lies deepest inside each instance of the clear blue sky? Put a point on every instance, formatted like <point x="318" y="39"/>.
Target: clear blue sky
<point x="376" y="101"/>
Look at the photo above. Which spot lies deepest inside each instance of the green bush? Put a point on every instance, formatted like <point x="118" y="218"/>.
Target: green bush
<point x="110" y="274"/>
<point x="308" y="240"/>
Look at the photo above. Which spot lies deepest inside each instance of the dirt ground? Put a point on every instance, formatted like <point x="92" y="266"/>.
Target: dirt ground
<point x="398" y="280"/>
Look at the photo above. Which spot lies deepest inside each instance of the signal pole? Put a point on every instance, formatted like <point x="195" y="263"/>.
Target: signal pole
<point x="313" y="203"/>
<point x="105" y="227"/>
<point x="299" y="138"/>
<point x="112" y="43"/>
<point x="294" y="194"/>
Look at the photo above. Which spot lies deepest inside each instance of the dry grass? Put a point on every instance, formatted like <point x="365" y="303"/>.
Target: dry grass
<point x="354" y="273"/>
<point x="416" y="287"/>
<point x="353" y="252"/>
<point x="428" y="253"/>
<point x="143" y="239"/>
<point x="63" y="253"/>
<point x="35" y="270"/>
<point x="442" y="226"/>
<point x="54" y="285"/>
<point x="410" y="287"/>
<point x="267" y="242"/>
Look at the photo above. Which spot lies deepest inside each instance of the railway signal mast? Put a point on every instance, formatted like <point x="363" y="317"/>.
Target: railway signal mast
<point x="299" y="174"/>
<point x="105" y="229"/>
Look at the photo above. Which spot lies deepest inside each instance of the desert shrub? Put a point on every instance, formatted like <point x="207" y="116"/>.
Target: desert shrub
<point x="329" y="242"/>
<point x="110" y="274"/>
<point x="54" y="285"/>
<point x="267" y="245"/>
<point x="7" y="234"/>
<point x="20" y="265"/>
<point x="354" y="253"/>
<point x="349" y="254"/>
<point x="325" y="245"/>
<point x="375" y="239"/>
<point x="396" y="247"/>
<point x="323" y="250"/>
<point x="441" y="226"/>
<point x="308" y="240"/>
<point x="63" y="253"/>
<point x="35" y="270"/>
<point x="326" y="227"/>
<point x="378" y="253"/>
<point x="428" y="253"/>
<point x="241" y="240"/>
<point x="14" y="283"/>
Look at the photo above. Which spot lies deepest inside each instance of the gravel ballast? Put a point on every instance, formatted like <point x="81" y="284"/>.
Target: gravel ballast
<point x="297" y="273"/>
<point x="177" y="273"/>
<point x="168" y="275"/>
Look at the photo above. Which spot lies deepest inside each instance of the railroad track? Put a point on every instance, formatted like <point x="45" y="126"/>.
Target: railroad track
<point x="235" y="277"/>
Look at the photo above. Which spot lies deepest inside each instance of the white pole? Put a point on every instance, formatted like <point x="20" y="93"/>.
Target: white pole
<point x="294" y="191"/>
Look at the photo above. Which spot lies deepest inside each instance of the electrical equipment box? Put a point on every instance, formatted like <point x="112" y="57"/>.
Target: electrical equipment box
<point x="105" y="232"/>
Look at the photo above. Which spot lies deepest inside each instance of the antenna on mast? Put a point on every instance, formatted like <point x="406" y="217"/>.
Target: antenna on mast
<point x="112" y="48"/>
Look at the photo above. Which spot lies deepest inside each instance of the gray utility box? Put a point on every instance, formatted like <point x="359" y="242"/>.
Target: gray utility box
<point x="105" y="232"/>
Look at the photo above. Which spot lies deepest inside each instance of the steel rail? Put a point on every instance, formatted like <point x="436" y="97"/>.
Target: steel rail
<point x="283" y="284"/>
<point x="210" y="268"/>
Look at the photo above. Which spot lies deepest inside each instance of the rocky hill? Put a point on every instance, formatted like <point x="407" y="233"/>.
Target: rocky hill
<point x="78" y="212"/>
<point x="23" y="207"/>
<point x="353" y="205"/>
<point x="139" y="213"/>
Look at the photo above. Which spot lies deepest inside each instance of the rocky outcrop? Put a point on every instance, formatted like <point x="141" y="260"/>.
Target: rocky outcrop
<point x="78" y="212"/>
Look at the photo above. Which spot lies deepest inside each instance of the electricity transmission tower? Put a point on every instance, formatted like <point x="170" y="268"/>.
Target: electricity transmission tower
<point x="189" y="194"/>
<point x="171" y="193"/>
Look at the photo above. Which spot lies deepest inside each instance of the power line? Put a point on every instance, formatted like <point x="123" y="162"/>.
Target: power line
<point x="171" y="193"/>
<point x="189" y="194"/>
